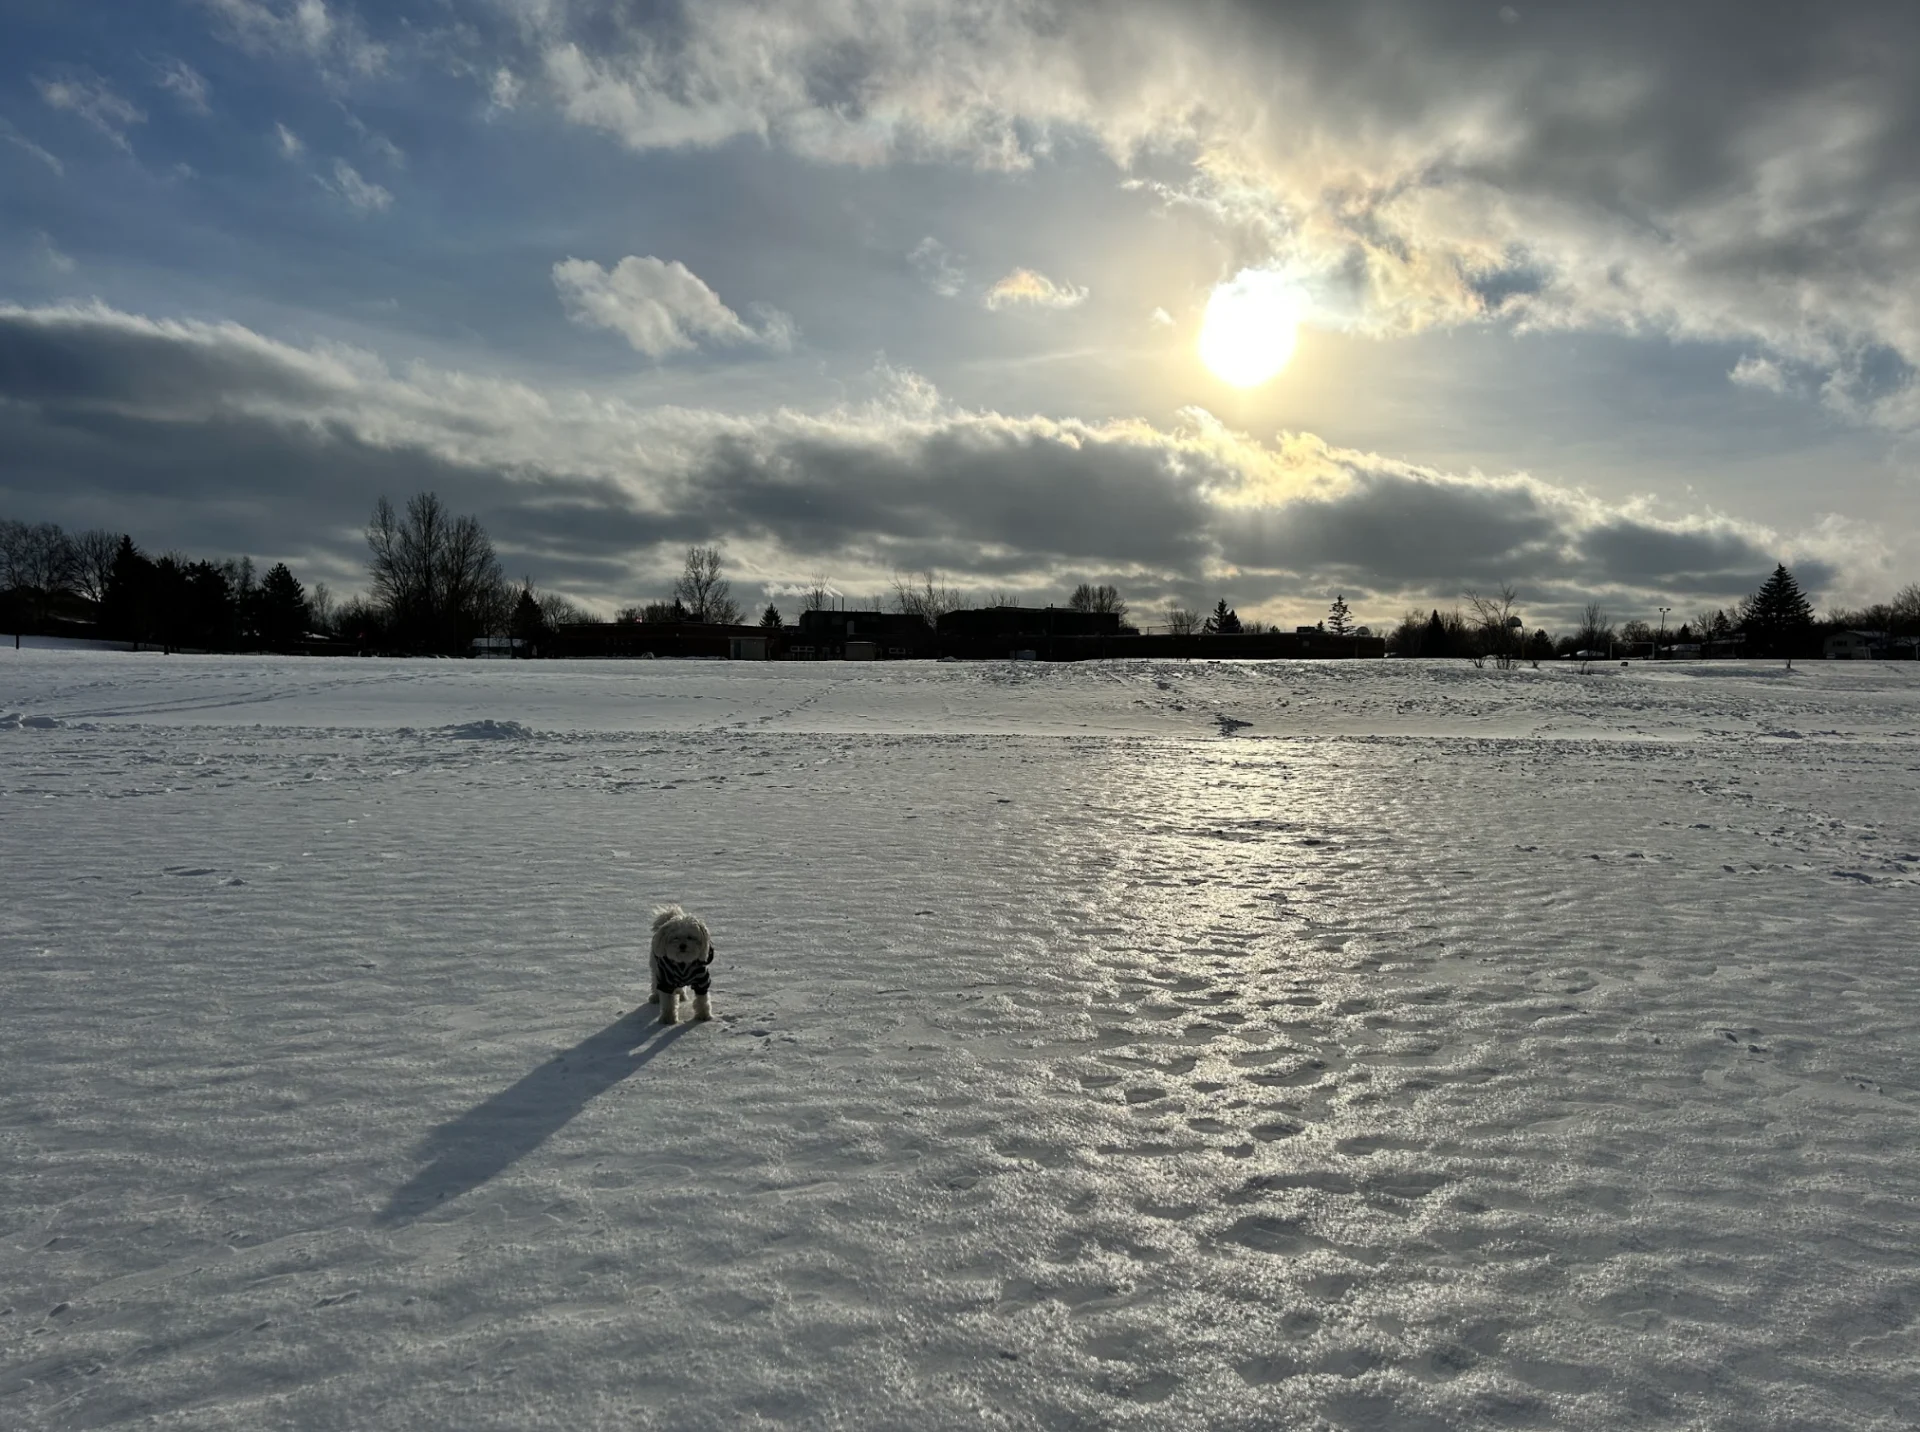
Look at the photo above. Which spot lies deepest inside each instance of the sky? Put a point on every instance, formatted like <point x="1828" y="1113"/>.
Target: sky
<point x="1614" y="303"/>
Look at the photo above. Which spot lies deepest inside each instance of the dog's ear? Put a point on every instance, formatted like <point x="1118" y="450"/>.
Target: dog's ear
<point x="662" y="914"/>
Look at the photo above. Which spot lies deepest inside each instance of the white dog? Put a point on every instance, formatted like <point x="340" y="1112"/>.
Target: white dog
<point x="682" y="950"/>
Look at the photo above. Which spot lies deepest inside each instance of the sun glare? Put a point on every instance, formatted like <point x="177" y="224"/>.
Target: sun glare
<point x="1251" y="325"/>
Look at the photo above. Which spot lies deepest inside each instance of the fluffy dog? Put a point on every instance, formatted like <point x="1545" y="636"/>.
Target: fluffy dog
<point x="682" y="950"/>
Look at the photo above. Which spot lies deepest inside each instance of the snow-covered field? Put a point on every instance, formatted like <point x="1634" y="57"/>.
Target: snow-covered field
<point x="1358" y="1045"/>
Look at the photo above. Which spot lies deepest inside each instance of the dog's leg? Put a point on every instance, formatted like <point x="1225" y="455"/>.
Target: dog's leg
<point x="669" y="1006"/>
<point x="701" y="1008"/>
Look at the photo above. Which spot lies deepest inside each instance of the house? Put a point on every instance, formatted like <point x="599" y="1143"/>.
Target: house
<point x="1855" y="646"/>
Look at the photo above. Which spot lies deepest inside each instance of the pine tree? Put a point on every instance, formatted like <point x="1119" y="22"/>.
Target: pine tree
<point x="770" y="618"/>
<point x="1776" y="616"/>
<point x="528" y="621"/>
<point x="1436" y="642"/>
<point x="280" y="608"/>
<point x="126" y="606"/>
<point x="1224" y="621"/>
<point x="1339" y="616"/>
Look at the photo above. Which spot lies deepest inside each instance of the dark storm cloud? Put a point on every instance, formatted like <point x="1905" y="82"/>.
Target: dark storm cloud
<point x="46" y="356"/>
<point x="968" y="485"/>
<point x="1404" y="530"/>
<point x="218" y="441"/>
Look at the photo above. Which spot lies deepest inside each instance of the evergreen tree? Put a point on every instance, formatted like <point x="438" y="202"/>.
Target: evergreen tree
<point x="770" y="618"/>
<point x="281" y="613"/>
<point x="1339" y="616"/>
<point x="126" y="605"/>
<point x="1776" y="617"/>
<point x="1435" y="642"/>
<point x="528" y="621"/>
<point x="1224" y="621"/>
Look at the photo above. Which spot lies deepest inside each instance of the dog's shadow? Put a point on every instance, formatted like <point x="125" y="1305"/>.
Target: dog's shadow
<point x="465" y="1152"/>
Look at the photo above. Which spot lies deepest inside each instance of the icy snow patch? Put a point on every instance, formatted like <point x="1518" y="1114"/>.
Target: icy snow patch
<point x="486" y="731"/>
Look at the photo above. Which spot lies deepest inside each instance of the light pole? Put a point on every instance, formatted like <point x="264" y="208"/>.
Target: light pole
<point x="1659" y="640"/>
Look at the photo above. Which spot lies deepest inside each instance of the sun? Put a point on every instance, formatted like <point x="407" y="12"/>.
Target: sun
<point x="1250" y="328"/>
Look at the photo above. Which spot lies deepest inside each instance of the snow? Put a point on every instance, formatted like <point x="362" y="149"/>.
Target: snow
<point x="1357" y="1045"/>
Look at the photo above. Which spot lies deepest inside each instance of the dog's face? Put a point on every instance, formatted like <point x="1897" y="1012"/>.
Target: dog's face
<point x="680" y="938"/>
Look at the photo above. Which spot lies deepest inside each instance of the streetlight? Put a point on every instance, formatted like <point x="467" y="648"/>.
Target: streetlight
<point x="1657" y="641"/>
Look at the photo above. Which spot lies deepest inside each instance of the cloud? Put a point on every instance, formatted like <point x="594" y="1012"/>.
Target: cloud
<point x="1763" y="373"/>
<point x="1160" y="318"/>
<point x="661" y="307"/>
<point x="291" y="145"/>
<point x="376" y="142"/>
<point x="362" y="195"/>
<point x="1023" y="285"/>
<point x="192" y="423"/>
<point x="934" y="262"/>
<point x="27" y="146"/>
<point x="92" y="99"/>
<point x="185" y="84"/>
<point x="1704" y="172"/>
<point x="503" y="91"/>
<point x="51" y="256"/>
<point x="334" y="38"/>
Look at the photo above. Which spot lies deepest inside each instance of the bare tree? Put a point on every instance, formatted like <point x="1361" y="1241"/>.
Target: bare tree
<point x="39" y="556"/>
<point x="927" y="597"/>
<point x="561" y="610"/>
<point x="1904" y="613"/>
<point x="435" y="575"/>
<point x="1181" y="621"/>
<point x="819" y="597"/>
<point x="1498" y="628"/>
<point x="707" y="596"/>
<point x="94" y="552"/>
<point x="998" y="599"/>
<point x="37" y="560"/>
<point x="1596" y="629"/>
<point x="1089" y="598"/>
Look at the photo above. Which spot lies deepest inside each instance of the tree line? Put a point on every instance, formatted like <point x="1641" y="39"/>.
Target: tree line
<point x="51" y="580"/>
<point x="435" y="583"/>
<point x="1776" y="620"/>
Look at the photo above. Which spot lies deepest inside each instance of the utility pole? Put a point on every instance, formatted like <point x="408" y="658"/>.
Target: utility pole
<point x="1657" y="641"/>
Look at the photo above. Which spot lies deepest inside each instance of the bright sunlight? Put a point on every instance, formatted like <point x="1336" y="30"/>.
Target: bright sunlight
<point x="1251" y="324"/>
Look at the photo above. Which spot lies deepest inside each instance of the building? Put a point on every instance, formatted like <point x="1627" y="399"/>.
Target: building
<point x="847" y="636"/>
<point x="644" y="639"/>
<point x="994" y="623"/>
<point x="1855" y="646"/>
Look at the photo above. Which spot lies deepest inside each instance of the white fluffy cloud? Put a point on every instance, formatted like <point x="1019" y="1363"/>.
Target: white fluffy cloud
<point x="1703" y="172"/>
<point x="662" y="307"/>
<point x="1762" y="373"/>
<point x="1026" y="287"/>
